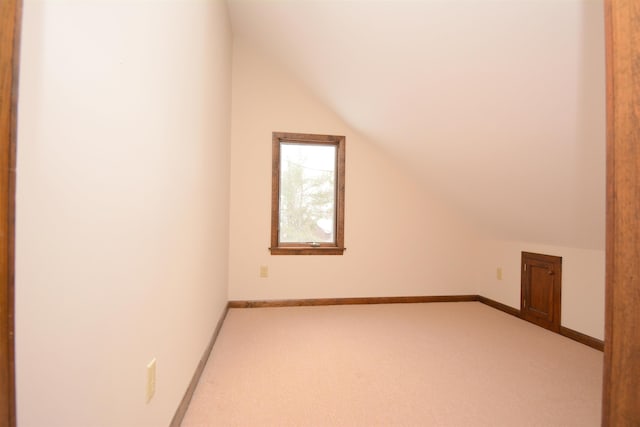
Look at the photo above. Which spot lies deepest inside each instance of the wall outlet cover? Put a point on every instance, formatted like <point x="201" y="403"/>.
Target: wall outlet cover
<point x="151" y="379"/>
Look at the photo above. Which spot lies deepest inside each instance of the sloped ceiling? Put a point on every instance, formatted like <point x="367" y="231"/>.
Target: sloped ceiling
<point x="496" y="106"/>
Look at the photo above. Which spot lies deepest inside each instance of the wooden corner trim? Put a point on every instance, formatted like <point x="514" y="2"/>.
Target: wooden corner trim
<point x="186" y="399"/>
<point x="350" y="301"/>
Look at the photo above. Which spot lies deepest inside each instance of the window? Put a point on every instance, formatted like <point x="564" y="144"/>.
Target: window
<point x="307" y="199"/>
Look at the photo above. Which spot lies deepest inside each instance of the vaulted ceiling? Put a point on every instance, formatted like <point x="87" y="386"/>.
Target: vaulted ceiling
<point x="496" y="106"/>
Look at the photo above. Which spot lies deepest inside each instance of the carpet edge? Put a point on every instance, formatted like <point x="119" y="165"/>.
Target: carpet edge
<point x="186" y="399"/>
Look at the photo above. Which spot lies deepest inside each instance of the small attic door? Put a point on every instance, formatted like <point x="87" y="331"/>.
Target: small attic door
<point x="541" y="292"/>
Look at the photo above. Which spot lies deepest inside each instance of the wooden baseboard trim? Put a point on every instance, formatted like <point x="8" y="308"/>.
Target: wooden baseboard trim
<point x="351" y="301"/>
<point x="184" y="404"/>
<point x="582" y="338"/>
<point x="564" y="331"/>
<point x="500" y="306"/>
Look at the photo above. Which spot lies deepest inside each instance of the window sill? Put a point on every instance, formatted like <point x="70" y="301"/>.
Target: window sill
<point x="306" y="250"/>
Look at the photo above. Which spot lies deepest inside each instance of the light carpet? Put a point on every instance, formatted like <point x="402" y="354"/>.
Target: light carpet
<point x="433" y="364"/>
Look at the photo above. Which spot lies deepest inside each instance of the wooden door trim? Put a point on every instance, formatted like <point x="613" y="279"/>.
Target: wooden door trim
<point x="621" y="389"/>
<point x="10" y="18"/>
<point x="557" y="289"/>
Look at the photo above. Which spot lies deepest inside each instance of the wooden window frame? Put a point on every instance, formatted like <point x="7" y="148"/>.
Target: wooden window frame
<point x="333" y="248"/>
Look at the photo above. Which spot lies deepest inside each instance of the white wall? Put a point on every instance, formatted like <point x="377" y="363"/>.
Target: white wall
<point x="492" y="104"/>
<point x="122" y="205"/>
<point x="123" y="251"/>
<point x="583" y="276"/>
<point x="400" y="241"/>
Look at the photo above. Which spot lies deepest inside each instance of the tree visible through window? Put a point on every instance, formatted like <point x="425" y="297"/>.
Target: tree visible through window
<point x="308" y="194"/>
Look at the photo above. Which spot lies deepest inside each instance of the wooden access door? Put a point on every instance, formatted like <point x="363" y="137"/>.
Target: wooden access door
<point x="541" y="290"/>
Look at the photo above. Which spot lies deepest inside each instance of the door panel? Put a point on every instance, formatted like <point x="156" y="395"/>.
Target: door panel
<point x="541" y="295"/>
<point x="541" y="290"/>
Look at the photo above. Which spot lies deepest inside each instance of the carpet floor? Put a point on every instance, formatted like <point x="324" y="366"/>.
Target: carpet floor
<point x="434" y="364"/>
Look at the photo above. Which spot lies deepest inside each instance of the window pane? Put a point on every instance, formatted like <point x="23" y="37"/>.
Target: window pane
<point x="307" y="193"/>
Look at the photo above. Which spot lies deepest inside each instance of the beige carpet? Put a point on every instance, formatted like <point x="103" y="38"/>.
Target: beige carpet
<point x="437" y="364"/>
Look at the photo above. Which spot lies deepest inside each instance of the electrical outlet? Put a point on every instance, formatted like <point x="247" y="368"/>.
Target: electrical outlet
<point x="264" y="271"/>
<point x="151" y="379"/>
<point x="499" y="273"/>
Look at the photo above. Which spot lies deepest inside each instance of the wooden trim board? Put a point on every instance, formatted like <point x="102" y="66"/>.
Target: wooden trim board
<point x="186" y="399"/>
<point x="621" y="388"/>
<point x="350" y="301"/>
<point x="500" y="306"/>
<point x="582" y="338"/>
<point x="10" y="19"/>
